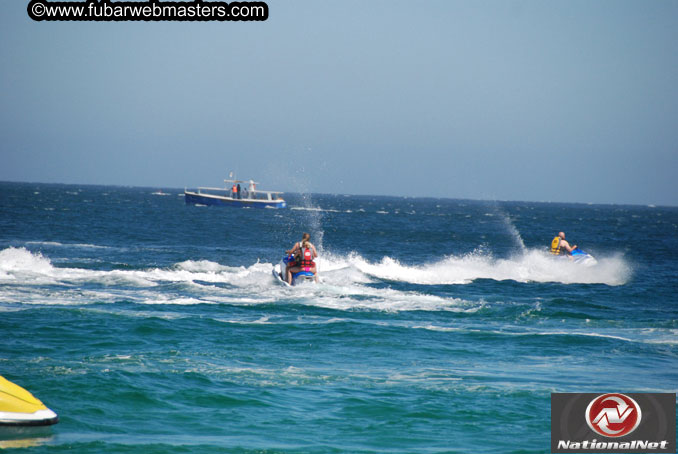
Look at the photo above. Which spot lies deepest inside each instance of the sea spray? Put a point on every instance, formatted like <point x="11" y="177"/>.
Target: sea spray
<point x="510" y="226"/>
<point x="532" y="266"/>
<point x="311" y="214"/>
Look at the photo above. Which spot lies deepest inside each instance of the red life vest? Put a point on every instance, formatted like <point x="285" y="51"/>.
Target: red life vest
<point x="307" y="258"/>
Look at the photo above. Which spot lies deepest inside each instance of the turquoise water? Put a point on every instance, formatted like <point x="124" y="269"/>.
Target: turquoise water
<point x="439" y="325"/>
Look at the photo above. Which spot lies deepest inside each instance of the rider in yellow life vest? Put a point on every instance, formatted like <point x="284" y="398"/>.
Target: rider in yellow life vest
<point x="560" y="246"/>
<point x="555" y="246"/>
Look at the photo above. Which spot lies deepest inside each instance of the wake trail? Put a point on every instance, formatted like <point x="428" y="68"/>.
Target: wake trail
<point x="531" y="266"/>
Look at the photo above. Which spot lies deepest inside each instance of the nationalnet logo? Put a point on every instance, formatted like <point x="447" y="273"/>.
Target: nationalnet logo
<point x="613" y="415"/>
<point x="613" y="422"/>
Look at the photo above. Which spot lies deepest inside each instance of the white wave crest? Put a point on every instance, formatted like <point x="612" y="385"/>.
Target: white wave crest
<point x="201" y="266"/>
<point x="14" y="261"/>
<point x="532" y="266"/>
<point x="204" y="282"/>
<point x="347" y="281"/>
<point x="67" y="245"/>
<point x="315" y="209"/>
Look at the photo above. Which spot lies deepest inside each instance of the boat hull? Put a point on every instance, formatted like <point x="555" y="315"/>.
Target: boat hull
<point x="194" y="198"/>
<point x="44" y="417"/>
<point x="18" y="407"/>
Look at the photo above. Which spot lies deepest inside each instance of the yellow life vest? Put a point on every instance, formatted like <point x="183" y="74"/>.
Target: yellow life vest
<point x="555" y="246"/>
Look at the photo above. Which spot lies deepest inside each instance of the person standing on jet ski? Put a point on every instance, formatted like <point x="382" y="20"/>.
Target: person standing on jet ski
<point x="561" y="247"/>
<point x="304" y="261"/>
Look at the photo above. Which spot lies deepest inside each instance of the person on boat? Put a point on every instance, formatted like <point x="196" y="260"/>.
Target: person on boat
<point x="561" y="247"/>
<point x="234" y="191"/>
<point x="238" y="188"/>
<point x="304" y="261"/>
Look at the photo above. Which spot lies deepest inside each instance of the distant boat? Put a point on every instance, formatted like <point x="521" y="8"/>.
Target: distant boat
<point x="159" y="192"/>
<point x="247" y="197"/>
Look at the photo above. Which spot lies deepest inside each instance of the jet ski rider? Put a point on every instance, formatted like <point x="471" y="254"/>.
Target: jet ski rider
<point x="294" y="251"/>
<point x="561" y="247"/>
<point x="305" y="253"/>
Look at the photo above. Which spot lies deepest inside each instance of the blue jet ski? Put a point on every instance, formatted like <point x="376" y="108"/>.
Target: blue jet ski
<point x="582" y="257"/>
<point x="297" y="278"/>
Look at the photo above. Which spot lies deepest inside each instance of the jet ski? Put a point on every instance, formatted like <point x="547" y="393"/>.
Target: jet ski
<point x="582" y="257"/>
<point x="18" y="407"/>
<point x="297" y="278"/>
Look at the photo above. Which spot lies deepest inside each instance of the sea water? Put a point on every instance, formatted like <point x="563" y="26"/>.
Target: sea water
<point x="439" y="325"/>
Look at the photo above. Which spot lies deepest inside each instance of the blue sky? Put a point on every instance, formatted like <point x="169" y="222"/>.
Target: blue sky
<point x="512" y="100"/>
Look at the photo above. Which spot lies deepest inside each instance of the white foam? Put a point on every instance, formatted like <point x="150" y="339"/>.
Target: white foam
<point x="345" y="281"/>
<point x="67" y="245"/>
<point x="531" y="266"/>
<point x="315" y="209"/>
<point x="15" y="261"/>
<point x="633" y="335"/>
<point x="45" y="243"/>
<point x="201" y="266"/>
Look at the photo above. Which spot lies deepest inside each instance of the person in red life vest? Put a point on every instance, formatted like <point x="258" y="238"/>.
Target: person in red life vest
<point x="297" y="246"/>
<point x="295" y="251"/>
<point x="304" y="261"/>
<point x="234" y="191"/>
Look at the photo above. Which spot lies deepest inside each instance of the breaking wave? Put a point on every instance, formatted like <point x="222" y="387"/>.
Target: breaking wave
<point x="31" y="278"/>
<point x="530" y="266"/>
<point x="347" y="281"/>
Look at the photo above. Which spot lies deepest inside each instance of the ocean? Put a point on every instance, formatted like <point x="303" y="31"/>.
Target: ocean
<point x="439" y="325"/>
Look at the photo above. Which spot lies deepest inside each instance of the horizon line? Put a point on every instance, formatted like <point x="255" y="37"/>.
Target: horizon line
<point x="647" y="205"/>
